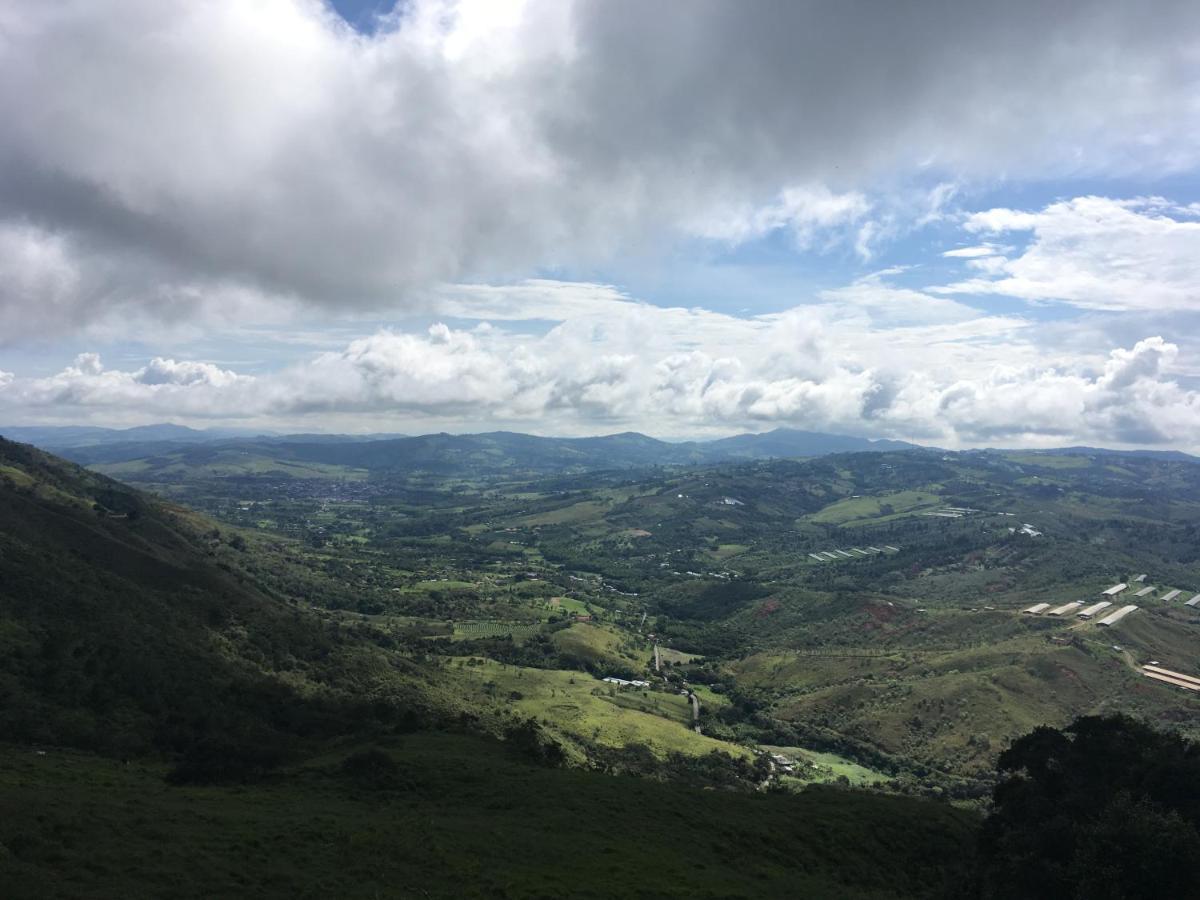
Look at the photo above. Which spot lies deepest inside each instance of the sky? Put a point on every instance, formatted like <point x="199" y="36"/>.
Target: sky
<point x="956" y="223"/>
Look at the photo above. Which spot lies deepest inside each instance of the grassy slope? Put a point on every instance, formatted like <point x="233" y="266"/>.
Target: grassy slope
<point x="465" y="822"/>
<point x="858" y="510"/>
<point x="956" y="709"/>
<point x="577" y="706"/>
<point x="132" y="628"/>
<point x="602" y="645"/>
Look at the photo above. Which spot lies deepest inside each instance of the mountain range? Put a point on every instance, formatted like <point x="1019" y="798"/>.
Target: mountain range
<point x="499" y="451"/>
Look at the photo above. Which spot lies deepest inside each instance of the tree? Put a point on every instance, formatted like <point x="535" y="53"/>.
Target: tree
<point x="1108" y="807"/>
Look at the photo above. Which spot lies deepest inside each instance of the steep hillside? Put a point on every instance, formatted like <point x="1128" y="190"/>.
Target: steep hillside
<point x="128" y="626"/>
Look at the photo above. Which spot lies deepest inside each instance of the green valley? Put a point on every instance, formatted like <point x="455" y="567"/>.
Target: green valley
<point x="847" y="632"/>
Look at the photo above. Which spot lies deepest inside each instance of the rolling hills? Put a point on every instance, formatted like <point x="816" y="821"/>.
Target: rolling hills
<point x="175" y="721"/>
<point x="442" y="455"/>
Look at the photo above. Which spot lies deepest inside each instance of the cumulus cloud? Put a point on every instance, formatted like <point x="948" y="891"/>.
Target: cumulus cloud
<point x="1129" y="402"/>
<point x="940" y="378"/>
<point x="163" y="387"/>
<point x="971" y="252"/>
<point x="1093" y="253"/>
<point x="807" y="212"/>
<point x="164" y="157"/>
<point x="897" y="305"/>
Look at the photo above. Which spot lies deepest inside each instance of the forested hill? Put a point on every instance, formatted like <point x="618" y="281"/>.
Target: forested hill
<point x="500" y="452"/>
<point x="129" y="626"/>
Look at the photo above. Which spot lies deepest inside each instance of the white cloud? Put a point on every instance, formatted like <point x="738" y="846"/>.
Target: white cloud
<point x="971" y="252"/>
<point x="1093" y="253"/>
<point x="896" y="306"/>
<point x="161" y="371"/>
<point x="163" y="387"/>
<point x="170" y="158"/>
<point x="809" y="212"/>
<point x="1131" y="401"/>
<point x="879" y="361"/>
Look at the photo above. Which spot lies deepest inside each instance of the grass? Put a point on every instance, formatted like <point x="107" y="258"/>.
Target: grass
<point x="677" y="657"/>
<point x="19" y="478"/>
<point x="725" y="551"/>
<point x="175" y="467"/>
<point x="575" y="514"/>
<point x="462" y="819"/>
<point x="826" y="767"/>
<point x="1049" y="461"/>
<point x="870" y="510"/>
<point x="603" y="645"/>
<point x="570" y="604"/>
<point x="954" y="709"/>
<point x="578" y="705"/>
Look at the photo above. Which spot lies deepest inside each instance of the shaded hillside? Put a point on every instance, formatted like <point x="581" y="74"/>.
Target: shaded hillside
<point x="128" y="626"/>
<point x="444" y="815"/>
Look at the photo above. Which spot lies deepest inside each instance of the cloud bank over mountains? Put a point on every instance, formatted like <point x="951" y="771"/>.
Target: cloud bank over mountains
<point x="674" y="372"/>
<point x="191" y="169"/>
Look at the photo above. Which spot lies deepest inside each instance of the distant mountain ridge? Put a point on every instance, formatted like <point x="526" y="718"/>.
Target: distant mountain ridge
<point x="493" y="452"/>
<point x="497" y="452"/>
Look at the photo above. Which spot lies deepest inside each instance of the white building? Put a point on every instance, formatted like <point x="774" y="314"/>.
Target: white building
<point x="1071" y="607"/>
<point x="1116" y="617"/>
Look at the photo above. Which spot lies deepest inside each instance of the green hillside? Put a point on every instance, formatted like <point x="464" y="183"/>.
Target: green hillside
<point x="174" y="722"/>
<point x="131" y="626"/>
<point x="454" y="816"/>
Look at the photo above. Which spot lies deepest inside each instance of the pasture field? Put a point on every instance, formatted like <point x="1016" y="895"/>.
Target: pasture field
<point x="604" y="644"/>
<point x="816" y="766"/>
<point x="582" y="708"/>
<point x="872" y="510"/>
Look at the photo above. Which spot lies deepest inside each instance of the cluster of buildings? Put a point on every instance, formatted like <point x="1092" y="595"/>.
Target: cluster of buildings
<point x="621" y="682"/>
<point x="1150" y="589"/>
<point x="1086" y="611"/>
<point x="950" y="512"/>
